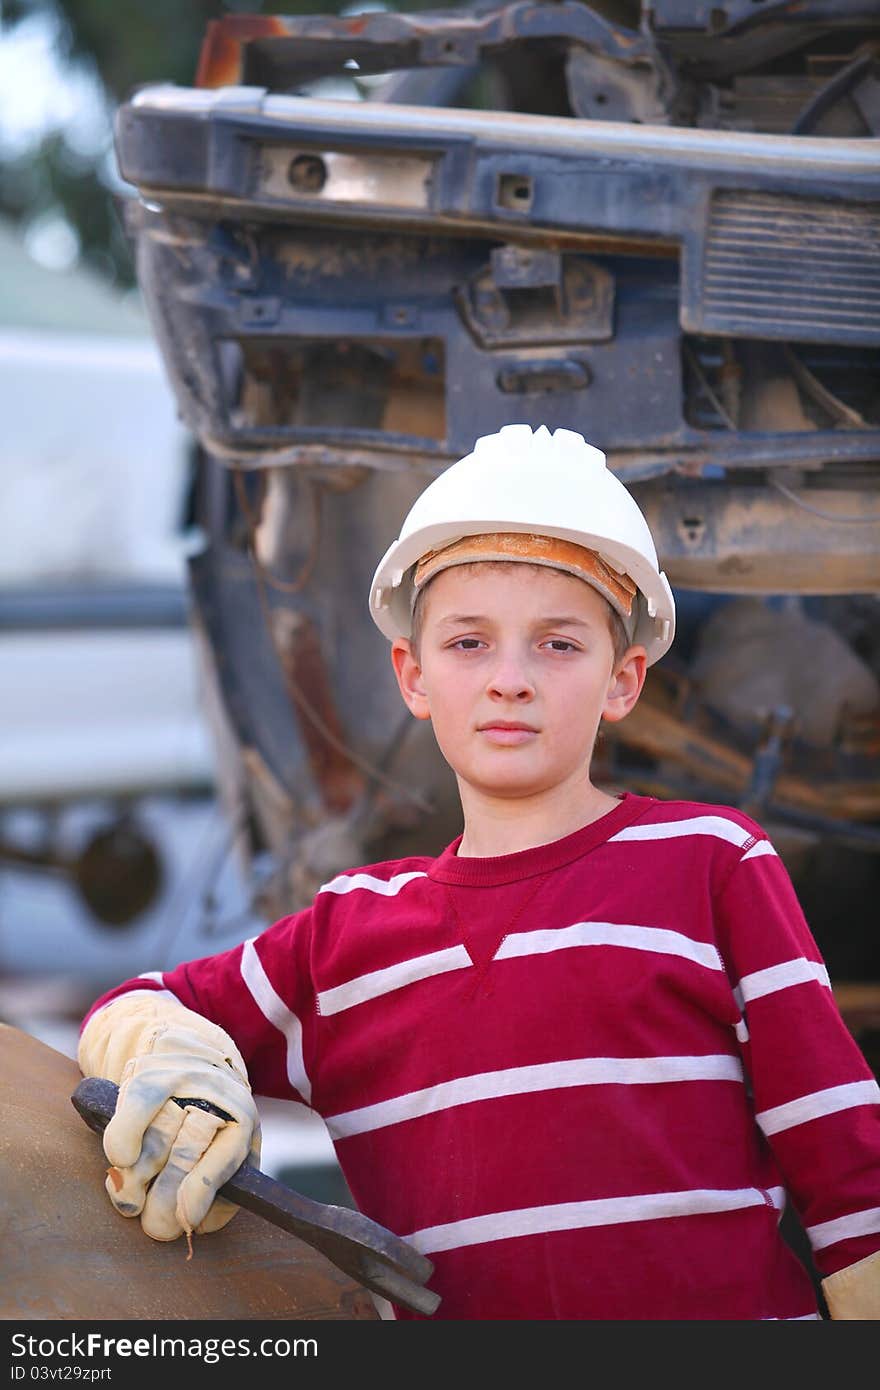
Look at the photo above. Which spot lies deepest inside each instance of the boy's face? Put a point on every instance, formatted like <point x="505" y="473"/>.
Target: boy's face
<point x="516" y="644"/>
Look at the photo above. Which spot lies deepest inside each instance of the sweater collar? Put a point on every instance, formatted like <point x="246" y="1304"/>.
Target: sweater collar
<point x="448" y="867"/>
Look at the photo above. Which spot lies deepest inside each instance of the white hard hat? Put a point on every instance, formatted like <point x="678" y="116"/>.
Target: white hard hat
<point x="537" y="484"/>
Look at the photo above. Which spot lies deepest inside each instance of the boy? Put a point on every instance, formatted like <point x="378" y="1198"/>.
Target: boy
<point x="582" y="1058"/>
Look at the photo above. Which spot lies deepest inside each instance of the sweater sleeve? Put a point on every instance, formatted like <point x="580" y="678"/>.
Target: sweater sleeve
<point x="816" y="1100"/>
<point x="261" y="993"/>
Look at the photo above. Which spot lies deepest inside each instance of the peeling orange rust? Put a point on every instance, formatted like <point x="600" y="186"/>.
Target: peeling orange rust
<point x="310" y="689"/>
<point x="221" y="57"/>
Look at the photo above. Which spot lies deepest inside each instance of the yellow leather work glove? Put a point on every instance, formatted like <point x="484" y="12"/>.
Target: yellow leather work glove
<point x="168" y="1161"/>
<point x="854" y="1293"/>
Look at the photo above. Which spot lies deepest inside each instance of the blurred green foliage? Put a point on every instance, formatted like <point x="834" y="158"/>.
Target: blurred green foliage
<point x="132" y="42"/>
<point x="125" y="44"/>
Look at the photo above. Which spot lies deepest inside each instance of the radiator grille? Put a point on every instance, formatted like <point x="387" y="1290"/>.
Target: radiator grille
<point x="803" y="269"/>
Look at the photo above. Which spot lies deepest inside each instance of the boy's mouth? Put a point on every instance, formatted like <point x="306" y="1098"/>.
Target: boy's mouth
<point x="507" y="731"/>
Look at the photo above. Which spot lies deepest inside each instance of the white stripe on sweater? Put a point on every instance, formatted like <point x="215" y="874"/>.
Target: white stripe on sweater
<point x="762" y="847"/>
<point x="718" y="826"/>
<point x="789" y="972"/>
<point x="801" y="1317"/>
<point x="819" y="1103"/>
<point x="572" y="1216"/>
<point x="546" y="1076"/>
<point x="860" y="1223"/>
<point x="657" y="939"/>
<point x="378" y="982"/>
<point x="386" y="887"/>
<point x="276" y="1012"/>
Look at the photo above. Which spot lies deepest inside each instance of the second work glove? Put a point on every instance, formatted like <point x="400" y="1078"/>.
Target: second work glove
<point x="168" y="1161"/>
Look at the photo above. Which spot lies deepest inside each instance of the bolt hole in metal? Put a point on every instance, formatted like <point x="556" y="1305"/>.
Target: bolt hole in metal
<point x="692" y="529"/>
<point x="307" y="173"/>
<point x="514" y="192"/>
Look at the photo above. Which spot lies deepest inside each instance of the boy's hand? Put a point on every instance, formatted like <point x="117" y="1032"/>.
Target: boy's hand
<point x="168" y="1161"/>
<point x="854" y="1292"/>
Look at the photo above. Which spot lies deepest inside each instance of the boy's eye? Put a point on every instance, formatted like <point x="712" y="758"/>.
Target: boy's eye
<point x="559" y="644"/>
<point x="467" y="643"/>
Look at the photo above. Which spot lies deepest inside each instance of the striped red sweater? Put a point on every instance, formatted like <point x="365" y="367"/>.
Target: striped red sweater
<point x="583" y="1078"/>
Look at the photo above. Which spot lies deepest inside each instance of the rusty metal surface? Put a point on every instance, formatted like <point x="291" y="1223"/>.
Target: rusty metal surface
<point x="745" y="538"/>
<point x="374" y="1256"/>
<point x="661" y="236"/>
<point x="293" y="49"/>
<point x="684" y="741"/>
<point x="222" y="49"/>
<point x="241" y="268"/>
<point x="286" y="51"/>
<point x="335" y="317"/>
<point x="68" y="1255"/>
<point x="312" y="695"/>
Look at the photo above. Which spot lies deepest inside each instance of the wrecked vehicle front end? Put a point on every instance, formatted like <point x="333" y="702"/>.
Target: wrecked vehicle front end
<point x="658" y="225"/>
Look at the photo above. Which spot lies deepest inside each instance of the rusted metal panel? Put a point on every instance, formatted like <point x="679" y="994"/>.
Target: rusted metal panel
<point x="459" y="255"/>
<point x="737" y="538"/>
<point x="312" y="695"/>
<point x="676" y="733"/>
<point x="221" y="57"/>
<point x="287" y="50"/>
<point x="53" y="1209"/>
<point x="354" y="291"/>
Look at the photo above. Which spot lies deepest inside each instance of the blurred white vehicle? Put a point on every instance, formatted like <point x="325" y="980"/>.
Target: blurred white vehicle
<point x="99" y="690"/>
<point x="100" y="706"/>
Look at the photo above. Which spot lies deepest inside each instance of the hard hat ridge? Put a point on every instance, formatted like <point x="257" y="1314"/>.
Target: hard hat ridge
<point x="535" y="483"/>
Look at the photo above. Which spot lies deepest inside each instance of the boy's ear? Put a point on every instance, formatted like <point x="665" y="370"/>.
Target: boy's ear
<point x="626" y="683"/>
<point x="409" y="678"/>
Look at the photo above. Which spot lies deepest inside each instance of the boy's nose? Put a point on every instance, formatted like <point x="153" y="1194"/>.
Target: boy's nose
<point x="510" y="680"/>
